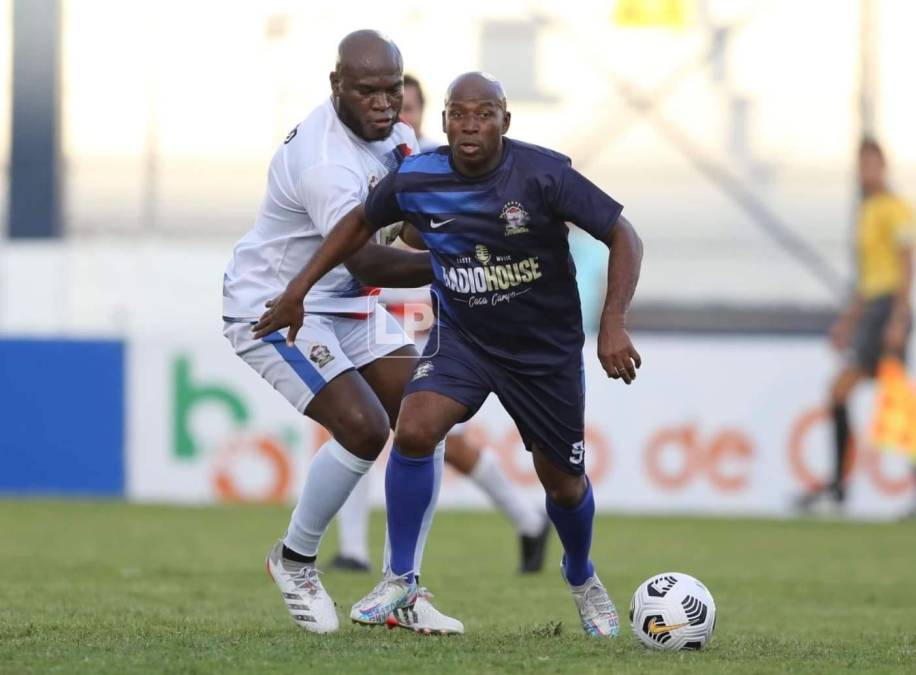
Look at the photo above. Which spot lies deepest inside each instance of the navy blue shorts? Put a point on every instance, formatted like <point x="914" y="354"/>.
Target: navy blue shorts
<point x="548" y="410"/>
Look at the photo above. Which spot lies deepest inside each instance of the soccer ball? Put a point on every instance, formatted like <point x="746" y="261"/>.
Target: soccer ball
<point x="673" y="611"/>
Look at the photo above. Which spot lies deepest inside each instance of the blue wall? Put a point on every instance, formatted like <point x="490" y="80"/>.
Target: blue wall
<point x="62" y="417"/>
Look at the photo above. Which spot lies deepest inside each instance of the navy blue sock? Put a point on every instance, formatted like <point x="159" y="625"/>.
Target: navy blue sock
<point x="574" y="526"/>
<point x="409" y="483"/>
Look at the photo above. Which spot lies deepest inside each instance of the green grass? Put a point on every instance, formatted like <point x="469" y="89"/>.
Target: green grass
<point x="113" y="588"/>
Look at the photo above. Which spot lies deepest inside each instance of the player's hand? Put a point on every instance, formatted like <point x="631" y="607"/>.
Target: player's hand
<point x="841" y="333"/>
<point x="617" y="354"/>
<point x="284" y="310"/>
<point x="895" y="334"/>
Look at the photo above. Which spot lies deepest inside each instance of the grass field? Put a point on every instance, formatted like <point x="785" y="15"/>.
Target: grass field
<point x="111" y="588"/>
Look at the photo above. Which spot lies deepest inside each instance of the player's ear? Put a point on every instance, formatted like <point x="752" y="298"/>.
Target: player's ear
<point x="444" y="130"/>
<point x="335" y="83"/>
<point x="507" y="118"/>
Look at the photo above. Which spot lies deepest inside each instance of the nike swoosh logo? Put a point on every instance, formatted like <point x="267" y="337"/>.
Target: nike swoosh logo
<point x="658" y="630"/>
<point x="433" y="224"/>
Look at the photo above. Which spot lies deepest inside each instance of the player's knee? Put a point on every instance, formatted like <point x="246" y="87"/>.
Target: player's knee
<point x="364" y="433"/>
<point x="840" y="389"/>
<point x="414" y="438"/>
<point x="566" y="490"/>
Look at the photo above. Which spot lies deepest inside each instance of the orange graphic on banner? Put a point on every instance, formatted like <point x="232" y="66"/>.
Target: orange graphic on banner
<point x="894" y="427"/>
<point x="268" y="451"/>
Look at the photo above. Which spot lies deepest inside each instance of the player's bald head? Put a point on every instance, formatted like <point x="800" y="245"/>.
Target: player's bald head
<point x="368" y="51"/>
<point x="476" y="86"/>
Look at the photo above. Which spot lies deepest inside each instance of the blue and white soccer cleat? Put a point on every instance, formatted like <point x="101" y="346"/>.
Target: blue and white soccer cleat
<point x="397" y="604"/>
<point x="426" y="619"/>
<point x="390" y="594"/>
<point x="596" y="609"/>
<point x="309" y="605"/>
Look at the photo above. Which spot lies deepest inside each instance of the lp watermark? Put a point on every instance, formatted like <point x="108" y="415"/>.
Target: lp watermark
<point x="395" y="313"/>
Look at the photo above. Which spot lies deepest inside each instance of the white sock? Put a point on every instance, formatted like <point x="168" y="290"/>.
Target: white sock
<point x="490" y="478"/>
<point x="353" y="523"/>
<point x="438" y="467"/>
<point x="332" y="476"/>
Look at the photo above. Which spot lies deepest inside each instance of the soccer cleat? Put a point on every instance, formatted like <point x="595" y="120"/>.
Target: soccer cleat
<point x="533" y="549"/>
<point x="426" y="619"/>
<point x="596" y="610"/>
<point x="391" y="593"/>
<point x="827" y="501"/>
<point x="346" y="564"/>
<point x="309" y="605"/>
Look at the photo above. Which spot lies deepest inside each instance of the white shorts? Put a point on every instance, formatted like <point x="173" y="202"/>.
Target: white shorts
<point x="326" y="346"/>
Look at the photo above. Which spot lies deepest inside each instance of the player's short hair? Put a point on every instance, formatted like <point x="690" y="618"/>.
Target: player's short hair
<point x="870" y="144"/>
<point x="411" y="81"/>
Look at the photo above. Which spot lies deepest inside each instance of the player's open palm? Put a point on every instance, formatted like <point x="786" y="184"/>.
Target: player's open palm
<point x="284" y="310"/>
<point x="617" y="354"/>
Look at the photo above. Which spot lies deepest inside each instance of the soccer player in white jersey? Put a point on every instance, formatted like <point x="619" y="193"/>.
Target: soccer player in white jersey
<point x="333" y="369"/>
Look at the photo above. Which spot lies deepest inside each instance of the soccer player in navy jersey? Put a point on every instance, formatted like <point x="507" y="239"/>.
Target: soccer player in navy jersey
<point x="493" y="213"/>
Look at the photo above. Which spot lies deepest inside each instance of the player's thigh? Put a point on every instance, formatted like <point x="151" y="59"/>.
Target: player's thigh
<point x="384" y="355"/>
<point x="388" y="376"/>
<point x="549" y="412"/>
<point x="317" y="378"/>
<point x="447" y="386"/>
<point x="425" y="419"/>
<point x="868" y="337"/>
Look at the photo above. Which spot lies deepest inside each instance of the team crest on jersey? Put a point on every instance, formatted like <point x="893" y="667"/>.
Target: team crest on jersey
<point x="516" y="218"/>
<point x="320" y="355"/>
<point x="482" y="253"/>
<point x="422" y="370"/>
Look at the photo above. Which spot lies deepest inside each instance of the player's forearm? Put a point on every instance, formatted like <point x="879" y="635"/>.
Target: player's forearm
<point x="412" y="237"/>
<point x="624" y="263"/>
<point x="345" y="239"/>
<point x="388" y="267"/>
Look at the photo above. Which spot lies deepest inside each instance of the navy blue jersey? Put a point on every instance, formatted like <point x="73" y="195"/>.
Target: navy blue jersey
<point x="503" y="273"/>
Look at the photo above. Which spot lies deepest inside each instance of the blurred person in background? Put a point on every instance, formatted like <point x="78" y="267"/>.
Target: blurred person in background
<point x="412" y="112"/>
<point x="478" y="464"/>
<point x="877" y="321"/>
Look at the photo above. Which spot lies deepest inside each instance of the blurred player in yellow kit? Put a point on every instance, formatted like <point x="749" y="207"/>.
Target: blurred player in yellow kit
<point x="877" y="320"/>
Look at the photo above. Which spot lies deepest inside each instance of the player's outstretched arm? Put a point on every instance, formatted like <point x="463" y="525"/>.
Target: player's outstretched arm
<point x="616" y="352"/>
<point x="376" y="265"/>
<point x="345" y="239"/>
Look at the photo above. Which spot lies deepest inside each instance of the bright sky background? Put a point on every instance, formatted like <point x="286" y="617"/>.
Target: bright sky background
<point x="171" y="110"/>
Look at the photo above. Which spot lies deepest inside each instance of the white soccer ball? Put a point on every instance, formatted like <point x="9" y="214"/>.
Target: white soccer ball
<point x="673" y="611"/>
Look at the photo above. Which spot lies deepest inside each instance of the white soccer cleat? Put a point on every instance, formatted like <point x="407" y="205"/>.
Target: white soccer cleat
<point x="309" y="605"/>
<point x="596" y="609"/>
<point x="426" y="619"/>
<point x="391" y="593"/>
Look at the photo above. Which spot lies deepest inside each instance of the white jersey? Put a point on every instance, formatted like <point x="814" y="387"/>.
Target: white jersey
<point x="321" y="172"/>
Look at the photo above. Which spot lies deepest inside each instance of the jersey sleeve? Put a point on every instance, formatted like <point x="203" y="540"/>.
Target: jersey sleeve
<point x="382" y="206"/>
<point x="328" y="192"/>
<point x="577" y="200"/>
<point x="903" y="224"/>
